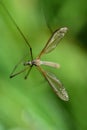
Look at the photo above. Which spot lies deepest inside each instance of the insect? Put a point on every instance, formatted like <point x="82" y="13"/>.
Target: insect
<point x="52" y="43"/>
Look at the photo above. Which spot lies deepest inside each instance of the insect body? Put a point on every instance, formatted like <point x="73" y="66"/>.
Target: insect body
<point x="52" y="43"/>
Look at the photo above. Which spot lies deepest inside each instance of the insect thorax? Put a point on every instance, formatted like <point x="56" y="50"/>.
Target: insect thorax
<point x="35" y="62"/>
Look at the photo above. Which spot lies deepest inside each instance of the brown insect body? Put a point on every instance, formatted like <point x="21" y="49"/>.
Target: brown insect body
<point x="52" y="43"/>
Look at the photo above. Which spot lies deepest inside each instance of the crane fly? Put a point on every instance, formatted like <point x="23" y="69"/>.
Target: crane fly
<point x="52" y="43"/>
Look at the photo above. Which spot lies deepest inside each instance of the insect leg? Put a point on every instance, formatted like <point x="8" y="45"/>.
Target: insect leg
<point x="21" y="33"/>
<point x="13" y="75"/>
<point x="28" y="72"/>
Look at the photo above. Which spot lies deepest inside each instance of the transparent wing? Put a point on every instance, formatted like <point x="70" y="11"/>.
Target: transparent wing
<point x="54" y="40"/>
<point x="55" y="84"/>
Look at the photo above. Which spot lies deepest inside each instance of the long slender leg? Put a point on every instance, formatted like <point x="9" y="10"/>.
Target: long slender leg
<point x="13" y="75"/>
<point x="28" y="72"/>
<point x="31" y="53"/>
<point x="17" y="65"/>
<point x="26" y="41"/>
<point x="46" y="21"/>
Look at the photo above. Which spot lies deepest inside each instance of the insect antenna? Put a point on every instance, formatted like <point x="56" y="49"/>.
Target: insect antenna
<point x="25" y="39"/>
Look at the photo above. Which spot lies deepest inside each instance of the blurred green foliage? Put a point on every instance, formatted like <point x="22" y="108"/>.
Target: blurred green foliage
<point x="31" y="104"/>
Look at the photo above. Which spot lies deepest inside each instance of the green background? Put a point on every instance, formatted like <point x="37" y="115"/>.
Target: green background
<point x="31" y="104"/>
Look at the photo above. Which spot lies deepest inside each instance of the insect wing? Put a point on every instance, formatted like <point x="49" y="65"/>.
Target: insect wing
<point x="54" y="40"/>
<point x="55" y="84"/>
